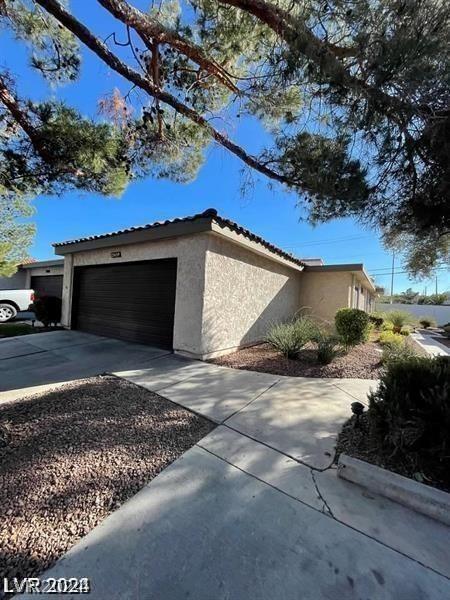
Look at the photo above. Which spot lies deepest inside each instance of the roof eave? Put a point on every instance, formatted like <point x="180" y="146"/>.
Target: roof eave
<point x="167" y="230"/>
<point x="356" y="268"/>
<point x="204" y="222"/>
<point x="39" y="264"/>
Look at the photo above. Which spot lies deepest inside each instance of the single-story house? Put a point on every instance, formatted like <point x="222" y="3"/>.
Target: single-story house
<point x="45" y="277"/>
<point x="327" y="288"/>
<point x="200" y="285"/>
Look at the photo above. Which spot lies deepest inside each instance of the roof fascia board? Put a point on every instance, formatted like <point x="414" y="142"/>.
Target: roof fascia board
<point x="343" y="267"/>
<point x="357" y="269"/>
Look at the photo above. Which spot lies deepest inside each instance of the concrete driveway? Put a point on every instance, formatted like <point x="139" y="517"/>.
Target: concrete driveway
<point x="30" y="363"/>
<point x="254" y="510"/>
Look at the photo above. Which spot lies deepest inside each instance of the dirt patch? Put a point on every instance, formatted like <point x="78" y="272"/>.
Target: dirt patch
<point x="363" y="361"/>
<point x="360" y="442"/>
<point x="71" y="456"/>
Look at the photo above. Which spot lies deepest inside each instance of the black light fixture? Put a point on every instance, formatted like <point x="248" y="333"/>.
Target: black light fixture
<point x="357" y="410"/>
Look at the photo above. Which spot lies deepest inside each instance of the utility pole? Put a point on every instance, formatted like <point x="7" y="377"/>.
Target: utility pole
<point x="436" y="285"/>
<point x="392" y="276"/>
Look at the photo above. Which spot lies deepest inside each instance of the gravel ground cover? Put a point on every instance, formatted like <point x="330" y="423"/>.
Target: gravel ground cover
<point x="362" y="361"/>
<point x="71" y="456"/>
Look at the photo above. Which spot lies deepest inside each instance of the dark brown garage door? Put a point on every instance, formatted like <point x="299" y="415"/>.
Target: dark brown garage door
<point x="130" y="301"/>
<point x="47" y="285"/>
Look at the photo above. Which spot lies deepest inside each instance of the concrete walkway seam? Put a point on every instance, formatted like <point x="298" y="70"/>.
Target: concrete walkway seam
<point x="326" y="514"/>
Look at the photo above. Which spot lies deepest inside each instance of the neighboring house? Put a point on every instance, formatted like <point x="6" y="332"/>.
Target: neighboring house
<point x="201" y="285"/>
<point x="327" y="288"/>
<point x="312" y="262"/>
<point x="44" y="277"/>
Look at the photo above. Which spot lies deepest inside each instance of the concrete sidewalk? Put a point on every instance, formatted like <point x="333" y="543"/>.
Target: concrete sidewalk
<point x="299" y="416"/>
<point x="246" y="525"/>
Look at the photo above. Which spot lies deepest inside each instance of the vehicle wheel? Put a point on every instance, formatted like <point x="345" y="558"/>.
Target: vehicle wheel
<point x="7" y="312"/>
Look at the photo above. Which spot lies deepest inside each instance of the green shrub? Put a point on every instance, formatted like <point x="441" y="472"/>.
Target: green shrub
<point x="387" y="326"/>
<point x="437" y="298"/>
<point x="392" y="353"/>
<point x="410" y="413"/>
<point x="427" y="322"/>
<point x="377" y="319"/>
<point x="47" y="309"/>
<point x="405" y="330"/>
<point x="389" y="338"/>
<point x="289" y="338"/>
<point x="352" y="325"/>
<point x="399" y="318"/>
<point x="327" y="348"/>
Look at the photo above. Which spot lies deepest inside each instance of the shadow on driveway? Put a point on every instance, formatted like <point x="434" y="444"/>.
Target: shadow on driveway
<point x="32" y="361"/>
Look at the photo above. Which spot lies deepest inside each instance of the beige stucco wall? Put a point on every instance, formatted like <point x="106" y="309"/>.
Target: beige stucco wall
<point x="244" y="293"/>
<point x="322" y="294"/>
<point x="190" y="254"/>
<point x="59" y="270"/>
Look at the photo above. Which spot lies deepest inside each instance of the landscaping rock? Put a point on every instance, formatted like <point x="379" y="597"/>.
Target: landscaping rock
<point x="361" y="362"/>
<point x="74" y="455"/>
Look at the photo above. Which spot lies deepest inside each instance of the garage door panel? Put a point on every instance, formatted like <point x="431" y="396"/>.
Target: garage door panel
<point x="122" y="305"/>
<point x="123" y="298"/>
<point x="119" y="322"/>
<point x="130" y="301"/>
<point x="47" y="285"/>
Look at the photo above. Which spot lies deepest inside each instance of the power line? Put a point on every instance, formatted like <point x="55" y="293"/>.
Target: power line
<point x="328" y="241"/>
<point x="401" y="272"/>
<point x="443" y="268"/>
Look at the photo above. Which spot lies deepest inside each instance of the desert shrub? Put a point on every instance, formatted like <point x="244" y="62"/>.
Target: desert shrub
<point x="377" y="319"/>
<point x="400" y="318"/>
<point x="289" y="338"/>
<point x="387" y="326"/>
<point x="410" y="413"/>
<point x="352" y="325"/>
<point x="446" y="329"/>
<point x="406" y="330"/>
<point x="392" y="353"/>
<point x="438" y="298"/>
<point x="389" y="338"/>
<point x="47" y="309"/>
<point x="327" y="348"/>
<point x="427" y="322"/>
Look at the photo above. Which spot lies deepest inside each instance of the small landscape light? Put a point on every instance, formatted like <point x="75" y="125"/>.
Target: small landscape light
<point x="357" y="410"/>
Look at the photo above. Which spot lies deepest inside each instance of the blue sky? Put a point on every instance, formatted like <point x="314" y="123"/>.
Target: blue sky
<point x="270" y="213"/>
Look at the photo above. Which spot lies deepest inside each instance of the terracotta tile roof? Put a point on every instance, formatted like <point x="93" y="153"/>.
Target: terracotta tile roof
<point x="211" y="214"/>
<point x="27" y="261"/>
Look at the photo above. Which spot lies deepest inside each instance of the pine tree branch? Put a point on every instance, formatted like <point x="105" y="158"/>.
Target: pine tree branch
<point x="21" y="116"/>
<point x="149" y="28"/>
<point x="296" y="34"/>
<point x="23" y="119"/>
<point x="54" y="8"/>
